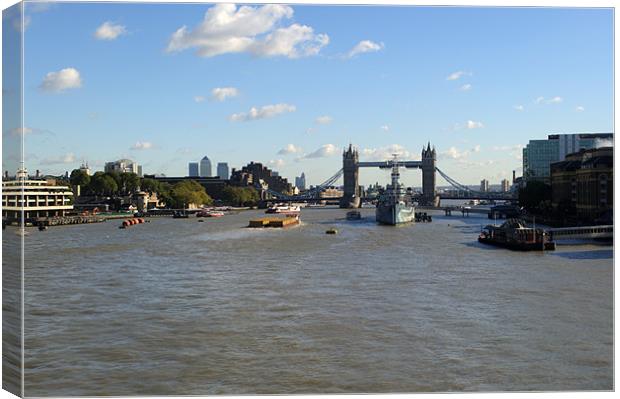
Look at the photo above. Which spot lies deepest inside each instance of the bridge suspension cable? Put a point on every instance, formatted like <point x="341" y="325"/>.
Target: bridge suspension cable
<point x="310" y="194"/>
<point x="468" y="190"/>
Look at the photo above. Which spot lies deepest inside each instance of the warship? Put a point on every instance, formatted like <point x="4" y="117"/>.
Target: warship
<point x="395" y="206"/>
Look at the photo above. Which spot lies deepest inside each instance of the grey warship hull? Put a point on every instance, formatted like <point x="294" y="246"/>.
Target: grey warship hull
<point x="394" y="213"/>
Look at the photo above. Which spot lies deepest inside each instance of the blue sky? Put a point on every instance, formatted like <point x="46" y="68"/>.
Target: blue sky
<point x="291" y="86"/>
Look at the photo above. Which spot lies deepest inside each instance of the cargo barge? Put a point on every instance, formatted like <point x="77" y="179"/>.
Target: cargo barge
<point x="274" y="222"/>
<point x="513" y="234"/>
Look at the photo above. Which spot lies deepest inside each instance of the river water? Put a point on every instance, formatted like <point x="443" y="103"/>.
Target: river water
<point x="180" y="307"/>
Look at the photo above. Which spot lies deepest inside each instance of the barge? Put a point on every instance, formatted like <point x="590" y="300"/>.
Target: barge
<point x="274" y="222"/>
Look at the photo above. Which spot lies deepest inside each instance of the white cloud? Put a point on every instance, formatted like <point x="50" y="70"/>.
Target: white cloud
<point x="474" y="125"/>
<point x="267" y="111"/>
<point x="309" y="130"/>
<point x="57" y="82"/>
<point x="222" y="93"/>
<point x="109" y="31"/>
<point x="323" y="120"/>
<point x="515" y="151"/>
<point x="553" y="100"/>
<point x="508" y="147"/>
<point x="277" y="163"/>
<point x="365" y="46"/>
<point x="142" y="145"/>
<point x="324" y="151"/>
<point x="385" y="153"/>
<point x="454" y="153"/>
<point x="465" y="87"/>
<point x="519" y="107"/>
<point x="385" y="128"/>
<point x="63" y="159"/>
<point x="290" y="149"/>
<point x="579" y="108"/>
<point x="457" y="75"/>
<point x="246" y="29"/>
<point x="199" y="99"/>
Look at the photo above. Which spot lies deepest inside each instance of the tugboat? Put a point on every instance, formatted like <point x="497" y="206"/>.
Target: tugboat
<point x="394" y="206"/>
<point x="513" y="234"/>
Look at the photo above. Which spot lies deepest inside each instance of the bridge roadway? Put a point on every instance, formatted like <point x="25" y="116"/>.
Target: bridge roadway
<point x="388" y="164"/>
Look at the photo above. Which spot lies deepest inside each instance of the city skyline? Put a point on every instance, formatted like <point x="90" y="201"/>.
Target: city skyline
<point x="289" y="87"/>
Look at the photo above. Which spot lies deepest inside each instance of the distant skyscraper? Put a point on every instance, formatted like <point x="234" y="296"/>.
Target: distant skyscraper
<point x="505" y="185"/>
<point x="300" y="182"/>
<point x="222" y="170"/>
<point x="205" y="167"/>
<point x="193" y="169"/>
<point x="484" y="185"/>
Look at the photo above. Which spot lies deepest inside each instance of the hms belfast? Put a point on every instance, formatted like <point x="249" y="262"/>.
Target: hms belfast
<point x="395" y="206"/>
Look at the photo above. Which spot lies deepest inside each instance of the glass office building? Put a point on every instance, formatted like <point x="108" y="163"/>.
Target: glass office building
<point x="538" y="155"/>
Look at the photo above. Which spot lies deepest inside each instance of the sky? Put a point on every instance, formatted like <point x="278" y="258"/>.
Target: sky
<point x="291" y="86"/>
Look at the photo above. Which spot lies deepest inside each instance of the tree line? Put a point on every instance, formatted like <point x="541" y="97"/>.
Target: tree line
<point x="179" y="195"/>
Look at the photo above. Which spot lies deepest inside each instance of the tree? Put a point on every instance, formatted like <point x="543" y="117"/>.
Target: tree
<point x="189" y="192"/>
<point x="535" y="196"/>
<point x="79" y="178"/>
<point x="240" y="196"/>
<point x="128" y="182"/>
<point x="103" y="184"/>
<point x="150" y="186"/>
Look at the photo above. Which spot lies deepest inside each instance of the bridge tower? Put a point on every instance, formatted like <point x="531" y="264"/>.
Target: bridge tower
<point x="350" y="175"/>
<point x="429" y="157"/>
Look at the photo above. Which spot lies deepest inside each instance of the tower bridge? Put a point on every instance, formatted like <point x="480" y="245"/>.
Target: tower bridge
<point x="351" y="164"/>
<point x="351" y="197"/>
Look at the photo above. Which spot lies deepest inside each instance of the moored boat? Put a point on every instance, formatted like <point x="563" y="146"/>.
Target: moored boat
<point x="514" y="234"/>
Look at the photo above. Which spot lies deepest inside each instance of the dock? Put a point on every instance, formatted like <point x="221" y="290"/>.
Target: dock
<point x="273" y="222"/>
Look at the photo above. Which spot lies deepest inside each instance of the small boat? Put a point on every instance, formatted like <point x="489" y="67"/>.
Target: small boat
<point x="331" y="231"/>
<point x="284" y="209"/>
<point x="180" y="215"/>
<point x="354" y="215"/>
<point x="209" y="213"/>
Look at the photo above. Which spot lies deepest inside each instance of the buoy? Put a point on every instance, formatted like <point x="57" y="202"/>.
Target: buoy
<point x="331" y="231"/>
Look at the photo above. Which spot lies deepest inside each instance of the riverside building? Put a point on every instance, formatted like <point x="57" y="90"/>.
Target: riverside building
<point x="36" y="198"/>
<point x="538" y="155"/>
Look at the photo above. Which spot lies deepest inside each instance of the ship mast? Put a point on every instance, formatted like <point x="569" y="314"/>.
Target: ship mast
<point x="395" y="176"/>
